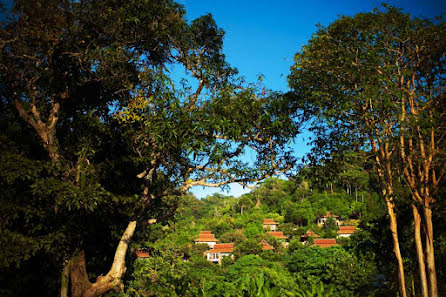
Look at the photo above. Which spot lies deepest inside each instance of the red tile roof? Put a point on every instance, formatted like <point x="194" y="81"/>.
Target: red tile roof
<point x="277" y="234"/>
<point x="310" y="233"/>
<point x="269" y="222"/>
<point x="266" y="246"/>
<point x="346" y="230"/>
<point x="205" y="232"/>
<point x="324" y="242"/>
<point x="204" y="237"/>
<point x="140" y="253"/>
<point x="223" y="248"/>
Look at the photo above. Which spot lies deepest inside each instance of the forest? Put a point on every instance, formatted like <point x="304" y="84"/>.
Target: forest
<point x="101" y="143"/>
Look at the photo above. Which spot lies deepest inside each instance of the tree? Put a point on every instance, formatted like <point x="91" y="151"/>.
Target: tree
<point x="90" y="80"/>
<point x="376" y="80"/>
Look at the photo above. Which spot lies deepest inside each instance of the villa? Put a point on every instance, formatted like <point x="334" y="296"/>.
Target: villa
<point x="206" y="237"/>
<point x="324" y="242"/>
<point x="308" y="234"/>
<point x="219" y="251"/>
<point x="266" y="246"/>
<point x="270" y="224"/>
<point x="322" y="220"/>
<point x="346" y="231"/>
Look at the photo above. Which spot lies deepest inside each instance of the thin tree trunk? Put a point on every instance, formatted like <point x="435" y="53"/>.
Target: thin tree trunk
<point x="258" y="202"/>
<point x="396" y="247"/>
<point x="65" y="277"/>
<point x="430" y="257"/>
<point x="81" y="286"/>
<point x="420" y="253"/>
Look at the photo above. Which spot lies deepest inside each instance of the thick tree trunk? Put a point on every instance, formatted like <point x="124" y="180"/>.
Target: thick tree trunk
<point x="81" y="286"/>
<point x="420" y="252"/>
<point x="396" y="247"/>
<point x="430" y="257"/>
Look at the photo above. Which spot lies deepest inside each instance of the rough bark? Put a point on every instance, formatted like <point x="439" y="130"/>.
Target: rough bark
<point x="420" y="252"/>
<point x="81" y="286"/>
<point x="430" y="257"/>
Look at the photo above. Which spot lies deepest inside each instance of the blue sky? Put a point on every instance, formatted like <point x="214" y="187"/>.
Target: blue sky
<point x="263" y="36"/>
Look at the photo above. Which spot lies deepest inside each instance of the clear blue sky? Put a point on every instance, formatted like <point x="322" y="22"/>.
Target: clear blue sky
<point x="263" y="36"/>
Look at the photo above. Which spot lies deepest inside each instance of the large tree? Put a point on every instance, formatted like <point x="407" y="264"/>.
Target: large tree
<point x="90" y="83"/>
<point x="376" y="81"/>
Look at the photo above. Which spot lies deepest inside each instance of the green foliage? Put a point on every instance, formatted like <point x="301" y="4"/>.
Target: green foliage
<point x="252" y="230"/>
<point x="248" y="247"/>
<point x="331" y="265"/>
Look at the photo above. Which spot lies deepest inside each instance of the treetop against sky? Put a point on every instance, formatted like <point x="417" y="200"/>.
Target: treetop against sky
<point x="262" y="38"/>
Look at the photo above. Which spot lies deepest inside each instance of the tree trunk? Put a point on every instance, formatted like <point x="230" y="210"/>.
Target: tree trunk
<point x="258" y="202"/>
<point x="65" y="277"/>
<point x="420" y="253"/>
<point x="430" y="257"/>
<point x="81" y="286"/>
<point x="396" y="247"/>
<point x="46" y="131"/>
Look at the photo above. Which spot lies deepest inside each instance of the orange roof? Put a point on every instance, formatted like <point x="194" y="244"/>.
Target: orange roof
<point x="269" y="222"/>
<point x="346" y="230"/>
<point x="310" y="233"/>
<point x="223" y="248"/>
<point x="277" y="234"/>
<point x="329" y="215"/>
<point x="206" y="238"/>
<point x="140" y="253"/>
<point x="266" y="246"/>
<point x="324" y="242"/>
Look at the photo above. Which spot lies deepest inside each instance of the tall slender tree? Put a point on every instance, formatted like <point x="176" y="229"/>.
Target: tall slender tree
<point x="376" y="80"/>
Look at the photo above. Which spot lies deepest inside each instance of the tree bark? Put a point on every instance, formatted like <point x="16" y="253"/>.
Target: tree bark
<point x="46" y="131"/>
<point x="396" y="247"/>
<point x="81" y="286"/>
<point x="430" y="257"/>
<point x="65" y="277"/>
<point x="420" y="252"/>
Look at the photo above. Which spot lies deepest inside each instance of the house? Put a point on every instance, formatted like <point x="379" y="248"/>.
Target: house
<point x="324" y="242"/>
<point x="279" y="235"/>
<point x="270" y="224"/>
<point x="266" y="246"/>
<point x="206" y="237"/>
<point x="346" y="231"/>
<point x="322" y="220"/>
<point x="219" y="251"/>
<point x="142" y="254"/>
<point x="309" y="233"/>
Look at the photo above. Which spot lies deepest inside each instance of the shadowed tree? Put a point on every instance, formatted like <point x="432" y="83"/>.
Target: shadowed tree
<point x="90" y="80"/>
